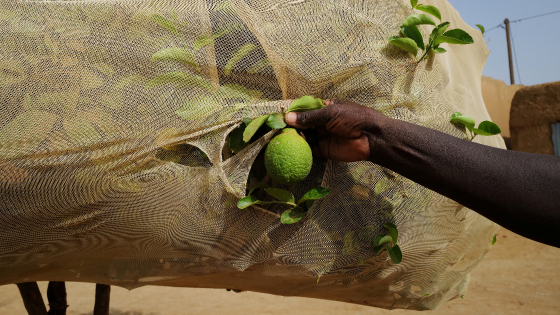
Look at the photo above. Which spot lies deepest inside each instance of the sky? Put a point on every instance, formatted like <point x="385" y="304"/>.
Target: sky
<point x="536" y="41"/>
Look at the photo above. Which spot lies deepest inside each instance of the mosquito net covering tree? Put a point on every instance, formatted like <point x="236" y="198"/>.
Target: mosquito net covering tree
<point x="114" y="158"/>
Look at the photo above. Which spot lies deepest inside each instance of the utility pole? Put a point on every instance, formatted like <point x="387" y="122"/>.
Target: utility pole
<point x="511" y="76"/>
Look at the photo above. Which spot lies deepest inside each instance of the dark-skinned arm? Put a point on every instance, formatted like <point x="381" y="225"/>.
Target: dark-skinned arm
<point x="519" y="191"/>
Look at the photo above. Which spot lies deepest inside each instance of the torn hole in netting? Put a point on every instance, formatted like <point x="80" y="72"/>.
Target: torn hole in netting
<point x="184" y="154"/>
<point x="256" y="177"/>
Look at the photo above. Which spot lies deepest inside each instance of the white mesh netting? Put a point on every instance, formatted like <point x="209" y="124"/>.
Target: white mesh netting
<point x="96" y="96"/>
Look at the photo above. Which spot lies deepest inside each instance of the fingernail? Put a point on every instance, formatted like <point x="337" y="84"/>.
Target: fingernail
<point x="291" y="118"/>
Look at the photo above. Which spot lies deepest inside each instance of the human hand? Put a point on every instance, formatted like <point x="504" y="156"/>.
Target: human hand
<point x="343" y="129"/>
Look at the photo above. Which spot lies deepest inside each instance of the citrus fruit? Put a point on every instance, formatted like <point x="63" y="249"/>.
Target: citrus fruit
<point x="288" y="157"/>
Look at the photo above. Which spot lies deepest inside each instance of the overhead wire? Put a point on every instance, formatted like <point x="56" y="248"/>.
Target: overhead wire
<point x="523" y="19"/>
<point x="493" y="28"/>
<point x="535" y="16"/>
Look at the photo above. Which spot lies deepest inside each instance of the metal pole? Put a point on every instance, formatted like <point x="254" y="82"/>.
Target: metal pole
<point x="511" y="76"/>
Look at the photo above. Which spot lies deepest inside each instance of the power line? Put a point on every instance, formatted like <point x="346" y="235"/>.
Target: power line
<point x="523" y="19"/>
<point x="535" y="16"/>
<point x="495" y="27"/>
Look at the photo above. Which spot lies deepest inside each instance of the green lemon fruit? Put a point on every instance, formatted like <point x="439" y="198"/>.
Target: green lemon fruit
<point x="288" y="158"/>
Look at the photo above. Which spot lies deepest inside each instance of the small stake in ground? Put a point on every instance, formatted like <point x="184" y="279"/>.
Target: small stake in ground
<point x="102" y="298"/>
<point x="32" y="298"/>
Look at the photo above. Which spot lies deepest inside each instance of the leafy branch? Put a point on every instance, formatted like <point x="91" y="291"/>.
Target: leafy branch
<point x="296" y="211"/>
<point x="412" y="39"/>
<point x="239" y="141"/>
<point x="276" y="120"/>
<point x="485" y="128"/>
<point x="389" y="243"/>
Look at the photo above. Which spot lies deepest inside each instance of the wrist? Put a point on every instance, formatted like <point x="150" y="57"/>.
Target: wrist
<point x="379" y="132"/>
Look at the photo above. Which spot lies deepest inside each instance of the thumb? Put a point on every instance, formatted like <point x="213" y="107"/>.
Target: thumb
<point x="309" y="119"/>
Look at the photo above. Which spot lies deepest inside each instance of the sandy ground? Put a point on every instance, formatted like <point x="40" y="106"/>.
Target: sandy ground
<point x="519" y="276"/>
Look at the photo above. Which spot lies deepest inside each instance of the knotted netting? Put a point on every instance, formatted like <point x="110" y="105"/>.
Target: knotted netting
<point x="114" y="158"/>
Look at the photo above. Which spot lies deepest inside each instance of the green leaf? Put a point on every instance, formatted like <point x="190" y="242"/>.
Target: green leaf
<point x="202" y="41"/>
<point x="377" y="249"/>
<point x="405" y="43"/>
<point x="462" y="119"/>
<point x="494" y="240"/>
<point x="382" y="239"/>
<point x="456" y="36"/>
<point x="418" y="19"/>
<point x="306" y="103"/>
<point x="276" y="121"/>
<point x="480" y="132"/>
<point x="413" y="3"/>
<point x="388" y="205"/>
<point x="487" y="128"/>
<point x="351" y="244"/>
<point x="247" y="201"/>
<point x="439" y="30"/>
<point x="481" y="28"/>
<point x="382" y="185"/>
<point x="430" y="9"/>
<point x="414" y="33"/>
<point x="226" y="28"/>
<point x="281" y="194"/>
<point x="291" y="216"/>
<point x="395" y="253"/>
<point x="81" y="131"/>
<point x="238" y="91"/>
<point x="314" y="194"/>
<point x="90" y="80"/>
<point x="165" y="23"/>
<point x="237" y="56"/>
<point x="236" y="143"/>
<point x="438" y="50"/>
<point x="253" y="126"/>
<point x="125" y="82"/>
<point x="197" y="107"/>
<point x="180" y="80"/>
<point x="259" y="66"/>
<point x="393" y="231"/>
<point x="178" y="54"/>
